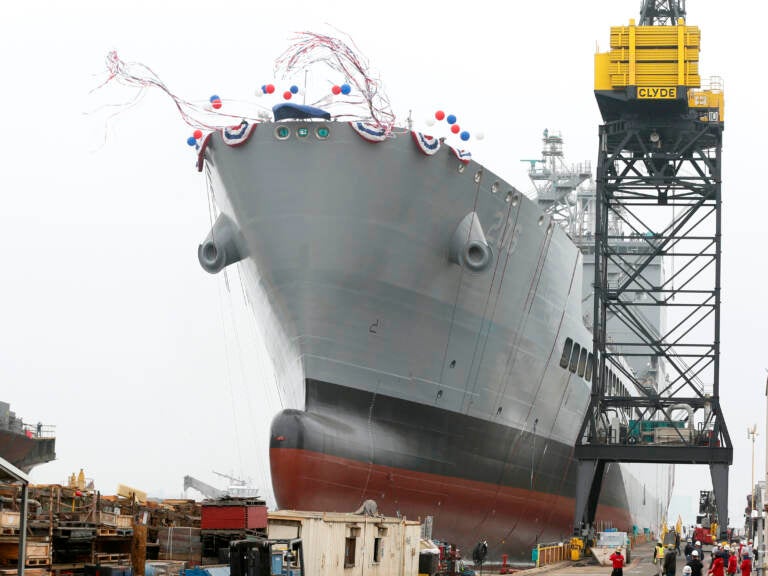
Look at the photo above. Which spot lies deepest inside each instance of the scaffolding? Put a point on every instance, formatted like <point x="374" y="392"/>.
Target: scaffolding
<point x="659" y="175"/>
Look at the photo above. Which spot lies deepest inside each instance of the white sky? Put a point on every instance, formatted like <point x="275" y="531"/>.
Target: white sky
<point x="110" y="329"/>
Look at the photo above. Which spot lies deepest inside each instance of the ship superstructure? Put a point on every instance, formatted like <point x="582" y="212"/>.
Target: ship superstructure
<point x="567" y="193"/>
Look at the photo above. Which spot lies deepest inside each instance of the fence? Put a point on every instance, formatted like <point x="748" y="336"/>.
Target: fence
<point x="552" y="553"/>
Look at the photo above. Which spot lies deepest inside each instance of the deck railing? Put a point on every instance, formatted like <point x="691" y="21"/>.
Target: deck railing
<point x="552" y="553"/>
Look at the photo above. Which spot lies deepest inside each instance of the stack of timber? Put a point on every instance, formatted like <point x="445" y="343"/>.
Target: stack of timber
<point x="38" y="548"/>
<point x="68" y="527"/>
<point x="73" y="529"/>
<point x="38" y="553"/>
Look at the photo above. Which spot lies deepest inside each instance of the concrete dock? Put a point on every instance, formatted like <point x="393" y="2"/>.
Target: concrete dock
<point x="642" y="565"/>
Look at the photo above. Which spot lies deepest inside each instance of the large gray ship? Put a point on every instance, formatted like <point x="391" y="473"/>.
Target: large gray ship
<point x="425" y="319"/>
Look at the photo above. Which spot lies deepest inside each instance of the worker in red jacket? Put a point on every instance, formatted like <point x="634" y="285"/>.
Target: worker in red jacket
<point x="718" y="566"/>
<point x="733" y="564"/>
<point x="617" y="561"/>
<point x="746" y="565"/>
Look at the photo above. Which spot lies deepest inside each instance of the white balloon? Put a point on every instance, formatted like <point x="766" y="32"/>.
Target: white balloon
<point x="479" y="136"/>
<point x="430" y="122"/>
<point x="259" y="93"/>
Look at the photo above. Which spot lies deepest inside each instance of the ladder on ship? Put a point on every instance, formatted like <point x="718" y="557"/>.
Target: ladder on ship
<point x="659" y="172"/>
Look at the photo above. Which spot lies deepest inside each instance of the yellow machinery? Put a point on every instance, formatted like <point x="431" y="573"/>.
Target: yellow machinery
<point x="657" y="68"/>
<point x="577" y="548"/>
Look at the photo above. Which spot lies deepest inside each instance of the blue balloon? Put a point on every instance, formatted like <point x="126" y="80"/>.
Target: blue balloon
<point x="451" y="119"/>
<point x="191" y="141"/>
<point x="346" y="88"/>
<point x="294" y="89"/>
<point x="465" y="135"/>
<point x="264" y="88"/>
<point x="214" y="98"/>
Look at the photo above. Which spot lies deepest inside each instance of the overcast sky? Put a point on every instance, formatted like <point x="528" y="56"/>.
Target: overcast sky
<point x="147" y="365"/>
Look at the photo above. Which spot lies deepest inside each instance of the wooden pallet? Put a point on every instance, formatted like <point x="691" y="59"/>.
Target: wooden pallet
<point x="38" y="561"/>
<point x="102" y="557"/>
<point x="4" y="531"/>
<point x="106" y="531"/>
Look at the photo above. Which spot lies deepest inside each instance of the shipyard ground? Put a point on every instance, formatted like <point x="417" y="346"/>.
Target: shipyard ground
<point x="641" y="565"/>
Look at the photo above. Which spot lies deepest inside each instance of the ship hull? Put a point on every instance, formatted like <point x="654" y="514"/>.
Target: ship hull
<point x="23" y="445"/>
<point x="396" y="359"/>
<point x="26" y="452"/>
<point x="476" y="479"/>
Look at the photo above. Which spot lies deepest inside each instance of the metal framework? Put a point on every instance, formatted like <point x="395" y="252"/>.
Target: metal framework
<point x="660" y="176"/>
<point x="9" y="473"/>
<point x="661" y="12"/>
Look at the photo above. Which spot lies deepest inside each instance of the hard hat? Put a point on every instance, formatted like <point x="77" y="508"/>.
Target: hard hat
<point x="695" y="553"/>
<point x="698" y="543"/>
<point x="670" y="546"/>
<point x="686" y="569"/>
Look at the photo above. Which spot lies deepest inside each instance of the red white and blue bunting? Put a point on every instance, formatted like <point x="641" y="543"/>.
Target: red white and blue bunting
<point x="237" y="135"/>
<point x="464" y="156"/>
<point x="369" y="132"/>
<point x="429" y="145"/>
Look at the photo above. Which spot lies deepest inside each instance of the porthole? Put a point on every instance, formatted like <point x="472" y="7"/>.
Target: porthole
<point x="302" y="132"/>
<point x="572" y="365"/>
<point x="582" y="362"/>
<point x="282" y="133"/>
<point x="322" y="132"/>
<point x="567" y="347"/>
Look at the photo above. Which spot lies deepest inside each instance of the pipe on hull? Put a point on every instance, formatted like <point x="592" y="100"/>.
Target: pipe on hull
<point x="469" y="247"/>
<point x="223" y="246"/>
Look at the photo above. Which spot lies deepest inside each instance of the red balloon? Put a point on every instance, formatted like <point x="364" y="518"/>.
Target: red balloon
<point x="216" y="104"/>
<point x="336" y="90"/>
<point x="270" y="88"/>
<point x="287" y="94"/>
<point x="198" y="133"/>
<point x="455" y="128"/>
<point x="439" y="114"/>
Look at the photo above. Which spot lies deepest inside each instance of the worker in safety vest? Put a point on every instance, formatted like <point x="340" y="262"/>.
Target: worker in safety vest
<point x="658" y="557"/>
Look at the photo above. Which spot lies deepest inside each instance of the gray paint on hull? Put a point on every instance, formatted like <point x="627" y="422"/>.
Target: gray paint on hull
<point x="350" y="278"/>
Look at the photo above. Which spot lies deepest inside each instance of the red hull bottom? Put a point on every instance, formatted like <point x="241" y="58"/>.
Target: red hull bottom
<point x="511" y="519"/>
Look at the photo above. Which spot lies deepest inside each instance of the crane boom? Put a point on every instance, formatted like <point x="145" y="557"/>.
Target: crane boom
<point x="205" y="489"/>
